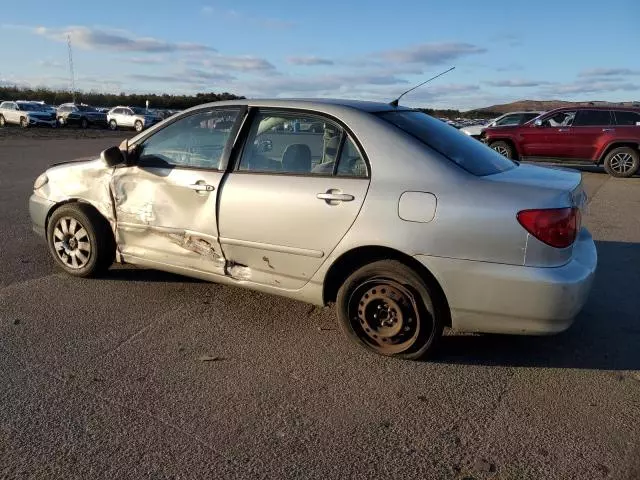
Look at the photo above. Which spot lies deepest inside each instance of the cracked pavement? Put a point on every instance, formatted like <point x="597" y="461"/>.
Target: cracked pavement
<point x="143" y="374"/>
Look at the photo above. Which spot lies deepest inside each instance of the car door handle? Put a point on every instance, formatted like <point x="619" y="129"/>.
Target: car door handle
<point x="202" y="187"/>
<point x="563" y="129"/>
<point x="608" y="129"/>
<point x="334" y="196"/>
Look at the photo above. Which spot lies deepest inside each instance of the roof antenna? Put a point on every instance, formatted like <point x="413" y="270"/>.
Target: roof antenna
<point x="395" y="102"/>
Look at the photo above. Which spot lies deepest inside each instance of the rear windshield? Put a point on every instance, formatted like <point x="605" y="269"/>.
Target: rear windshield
<point x="469" y="153"/>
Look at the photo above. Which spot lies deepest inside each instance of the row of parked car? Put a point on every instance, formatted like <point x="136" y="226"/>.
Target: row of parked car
<point x="30" y="113"/>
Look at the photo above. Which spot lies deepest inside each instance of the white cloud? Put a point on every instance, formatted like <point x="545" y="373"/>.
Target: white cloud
<point x="432" y="53"/>
<point x="517" y="83"/>
<point x="117" y="40"/>
<point x="608" y="72"/>
<point x="309" y="61"/>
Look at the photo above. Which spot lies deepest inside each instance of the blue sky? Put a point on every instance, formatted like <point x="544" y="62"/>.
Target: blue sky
<point x="503" y="50"/>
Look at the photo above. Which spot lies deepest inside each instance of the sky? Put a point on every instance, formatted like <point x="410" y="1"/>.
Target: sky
<point x="373" y="50"/>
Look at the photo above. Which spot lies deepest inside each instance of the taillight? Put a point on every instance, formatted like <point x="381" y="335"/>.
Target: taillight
<point x="557" y="227"/>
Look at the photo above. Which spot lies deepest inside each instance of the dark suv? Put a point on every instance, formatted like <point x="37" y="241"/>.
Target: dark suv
<point x="80" y="115"/>
<point x="593" y="135"/>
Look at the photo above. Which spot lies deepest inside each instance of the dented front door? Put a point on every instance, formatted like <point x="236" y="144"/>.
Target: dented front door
<point x="165" y="204"/>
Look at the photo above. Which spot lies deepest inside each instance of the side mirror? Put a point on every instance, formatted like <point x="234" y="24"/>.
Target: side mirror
<point x="112" y="156"/>
<point x="537" y="122"/>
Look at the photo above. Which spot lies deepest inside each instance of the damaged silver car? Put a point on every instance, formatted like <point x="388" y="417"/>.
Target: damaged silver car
<point x="408" y="225"/>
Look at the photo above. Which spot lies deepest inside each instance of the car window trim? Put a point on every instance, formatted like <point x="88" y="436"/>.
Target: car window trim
<point x="224" y="156"/>
<point x="238" y="150"/>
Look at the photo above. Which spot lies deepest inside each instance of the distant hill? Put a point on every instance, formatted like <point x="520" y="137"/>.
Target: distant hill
<point x="538" y="105"/>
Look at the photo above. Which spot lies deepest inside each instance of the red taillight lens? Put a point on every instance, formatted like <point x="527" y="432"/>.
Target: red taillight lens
<point x="557" y="227"/>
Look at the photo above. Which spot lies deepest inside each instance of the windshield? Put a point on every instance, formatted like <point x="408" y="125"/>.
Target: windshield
<point x="139" y="111"/>
<point x="29" y="107"/>
<point x="85" y="108"/>
<point x="468" y="153"/>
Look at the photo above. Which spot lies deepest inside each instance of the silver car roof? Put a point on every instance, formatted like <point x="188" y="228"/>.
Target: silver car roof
<point x="321" y="104"/>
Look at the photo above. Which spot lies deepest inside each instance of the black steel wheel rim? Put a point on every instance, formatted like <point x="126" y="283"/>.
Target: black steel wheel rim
<point x="386" y="316"/>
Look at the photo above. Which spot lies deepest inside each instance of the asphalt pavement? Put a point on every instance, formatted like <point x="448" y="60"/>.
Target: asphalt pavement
<point x="143" y="374"/>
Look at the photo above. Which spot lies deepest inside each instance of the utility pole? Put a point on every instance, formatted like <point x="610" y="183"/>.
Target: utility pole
<point x="73" y="82"/>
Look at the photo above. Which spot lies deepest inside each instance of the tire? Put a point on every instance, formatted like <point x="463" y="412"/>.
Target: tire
<point x="503" y="148"/>
<point x="138" y="126"/>
<point x="60" y="121"/>
<point x="413" y="318"/>
<point x="84" y="123"/>
<point x="3" y="122"/>
<point x="87" y="247"/>
<point x="622" y="162"/>
<point x="113" y="125"/>
<point x="24" y="123"/>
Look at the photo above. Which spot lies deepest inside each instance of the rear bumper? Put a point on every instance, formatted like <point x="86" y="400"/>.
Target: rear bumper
<point x="511" y="299"/>
<point x="38" y="210"/>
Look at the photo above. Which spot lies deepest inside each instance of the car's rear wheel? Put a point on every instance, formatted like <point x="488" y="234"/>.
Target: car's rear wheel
<point x="3" y="122"/>
<point x="113" y="125"/>
<point x="84" y="123"/>
<point x="622" y="162"/>
<point x="388" y="308"/>
<point x="138" y="126"/>
<point x="24" y="123"/>
<point x="503" y="148"/>
<point x="80" y="240"/>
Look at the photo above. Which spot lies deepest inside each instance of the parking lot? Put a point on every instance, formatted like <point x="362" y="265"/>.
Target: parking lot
<point x="142" y="374"/>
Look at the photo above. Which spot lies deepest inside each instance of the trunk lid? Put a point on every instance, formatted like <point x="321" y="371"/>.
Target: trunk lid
<point x="559" y="180"/>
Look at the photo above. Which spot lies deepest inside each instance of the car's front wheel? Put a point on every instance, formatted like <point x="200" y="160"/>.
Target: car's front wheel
<point x="80" y="240"/>
<point x="84" y="123"/>
<point x="503" y="148"/>
<point x="622" y="162"/>
<point x="138" y="126"/>
<point x="388" y="308"/>
<point x="3" y="122"/>
<point x="113" y="125"/>
<point x="24" y="123"/>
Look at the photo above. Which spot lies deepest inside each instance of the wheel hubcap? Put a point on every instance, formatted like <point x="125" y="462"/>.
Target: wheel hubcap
<point x="501" y="150"/>
<point x="71" y="243"/>
<point x="621" y="162"/>
<point x="385" y="316"/>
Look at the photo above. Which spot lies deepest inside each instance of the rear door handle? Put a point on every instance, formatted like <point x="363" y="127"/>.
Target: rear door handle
<point x="333" y="195"/>
<point x="563" y="129"/>
<point x="202" y="187"/>
<point x="608" y="129"/>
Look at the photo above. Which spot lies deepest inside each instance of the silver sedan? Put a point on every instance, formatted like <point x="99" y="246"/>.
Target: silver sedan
<point x="408" y="225"/>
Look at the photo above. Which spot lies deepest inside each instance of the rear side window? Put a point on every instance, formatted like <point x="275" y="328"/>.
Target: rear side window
<point x="627" y="118"/>
<point x="468" y="153"/>
<point x="592" y="118"/>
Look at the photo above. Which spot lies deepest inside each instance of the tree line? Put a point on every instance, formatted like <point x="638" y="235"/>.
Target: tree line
<point x="57" y="97"/>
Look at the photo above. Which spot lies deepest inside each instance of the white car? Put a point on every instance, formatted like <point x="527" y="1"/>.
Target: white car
<point x="511" y="118"/>
<point x="25" y="114"/>
<point x="131" y="117"/>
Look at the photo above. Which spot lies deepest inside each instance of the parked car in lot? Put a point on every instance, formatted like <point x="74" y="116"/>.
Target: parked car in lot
<point x="25" y="114"/>
<point x="508" y="119"/>
<point x="82" y="116"/>
<point x="131" y="117"/>
<point x="608" y="136"/>
<point x="405" y="223"/>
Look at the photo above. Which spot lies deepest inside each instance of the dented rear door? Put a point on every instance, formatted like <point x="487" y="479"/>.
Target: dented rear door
<point x="165" y="204"/>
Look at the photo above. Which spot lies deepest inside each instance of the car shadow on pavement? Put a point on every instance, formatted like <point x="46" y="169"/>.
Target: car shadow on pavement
<point x="604" y="336"/>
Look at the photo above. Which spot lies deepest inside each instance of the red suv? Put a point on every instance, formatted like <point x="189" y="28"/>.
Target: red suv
<point x="590" y="135"/>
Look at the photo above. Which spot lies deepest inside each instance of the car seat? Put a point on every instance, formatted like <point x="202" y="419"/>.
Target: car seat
<point x="297" y="158"/>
